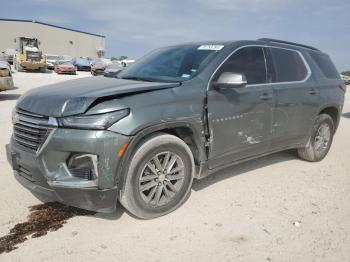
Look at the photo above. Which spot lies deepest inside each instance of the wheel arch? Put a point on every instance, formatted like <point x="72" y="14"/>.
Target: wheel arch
<point x="333" y="112"/>
<point x="182" y="130"/>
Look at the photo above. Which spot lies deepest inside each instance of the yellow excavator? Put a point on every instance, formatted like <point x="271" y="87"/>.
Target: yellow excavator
<point x="29" y="56"/>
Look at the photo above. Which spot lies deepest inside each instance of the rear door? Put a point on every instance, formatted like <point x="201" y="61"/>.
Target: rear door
<point x="296" y="97"/>
<point x="240" y="118"/>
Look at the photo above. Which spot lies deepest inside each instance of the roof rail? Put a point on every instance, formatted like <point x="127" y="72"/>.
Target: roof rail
<point x="287" y="43"/>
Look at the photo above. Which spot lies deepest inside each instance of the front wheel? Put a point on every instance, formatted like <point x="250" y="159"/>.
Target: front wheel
<point x="320" y="140"/>
<point x="159" y="177"/>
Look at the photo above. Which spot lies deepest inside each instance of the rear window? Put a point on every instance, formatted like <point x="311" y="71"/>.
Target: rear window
<point x="325" y="64"/>
<point x="289" y="66"/>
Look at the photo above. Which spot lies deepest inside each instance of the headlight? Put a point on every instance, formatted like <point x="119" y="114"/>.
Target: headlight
<point x="97" y="122"/>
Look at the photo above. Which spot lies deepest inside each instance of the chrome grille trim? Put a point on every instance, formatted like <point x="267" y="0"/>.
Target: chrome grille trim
<point x="30" y="130"/>
<point x="30" y="114"/>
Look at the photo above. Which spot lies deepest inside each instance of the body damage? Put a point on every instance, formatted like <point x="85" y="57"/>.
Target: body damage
<point x="76" y="96"/>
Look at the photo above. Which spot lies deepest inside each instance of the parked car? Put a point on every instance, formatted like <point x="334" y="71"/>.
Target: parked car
<point x="9" y="55"/>
<point x="51" y="60"/>
<point x="65" y="67"/>
<point x="6" y="81"/>
<point x="179" y="113"/>
<point x="4" y="60"/>
<point x="98" y="68"/>
<point x="82" y="64"/>
<point x="112" y="70"/>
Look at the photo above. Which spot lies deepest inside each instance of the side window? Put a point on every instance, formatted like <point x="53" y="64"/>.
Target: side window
<point x="249" y="61"/>
<point x="288" y="64"/>
<point x="325" y="64"/>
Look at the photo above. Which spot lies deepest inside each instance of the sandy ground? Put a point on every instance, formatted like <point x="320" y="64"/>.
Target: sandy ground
<point x="244" y="213"/>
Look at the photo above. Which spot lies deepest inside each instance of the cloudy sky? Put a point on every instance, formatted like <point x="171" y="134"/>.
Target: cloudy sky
<point x="134" y="27"/>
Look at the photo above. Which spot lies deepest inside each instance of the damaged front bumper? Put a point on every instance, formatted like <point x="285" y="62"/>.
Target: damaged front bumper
<point x="47" y="173"/>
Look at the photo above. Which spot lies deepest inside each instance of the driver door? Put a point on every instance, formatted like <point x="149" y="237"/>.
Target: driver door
<point x="240" y="118"/>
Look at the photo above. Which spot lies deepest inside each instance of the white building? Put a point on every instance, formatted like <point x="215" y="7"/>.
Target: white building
<point x="53" y="39"/>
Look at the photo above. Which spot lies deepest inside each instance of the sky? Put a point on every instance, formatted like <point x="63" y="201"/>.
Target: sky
<point x="133" y="28"/>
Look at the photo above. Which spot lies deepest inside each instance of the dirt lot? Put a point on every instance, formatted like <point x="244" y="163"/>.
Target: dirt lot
<point x="277" y="208"/>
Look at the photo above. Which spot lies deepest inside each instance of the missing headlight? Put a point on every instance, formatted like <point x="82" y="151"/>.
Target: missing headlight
<point x="83" y="166"/>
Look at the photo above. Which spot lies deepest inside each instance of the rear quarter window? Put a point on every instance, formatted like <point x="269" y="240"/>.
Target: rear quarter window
<point x="326" y="66"/>
<point x="289" y="65"/>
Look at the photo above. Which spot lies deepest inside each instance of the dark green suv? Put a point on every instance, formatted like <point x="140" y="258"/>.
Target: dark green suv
<point x="179" y="113"/>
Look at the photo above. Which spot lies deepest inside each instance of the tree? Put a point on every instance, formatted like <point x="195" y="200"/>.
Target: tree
<point x="346" y="73"/>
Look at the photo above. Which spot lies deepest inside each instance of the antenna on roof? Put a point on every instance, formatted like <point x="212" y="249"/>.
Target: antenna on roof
<point x="287" y="43"/>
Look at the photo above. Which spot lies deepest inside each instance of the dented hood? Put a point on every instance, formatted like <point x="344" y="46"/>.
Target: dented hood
<point x="75" y="96"/>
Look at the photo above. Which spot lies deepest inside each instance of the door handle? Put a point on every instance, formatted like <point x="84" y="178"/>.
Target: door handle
<point x="313" y="92"/>
<point x="266" y="96"/>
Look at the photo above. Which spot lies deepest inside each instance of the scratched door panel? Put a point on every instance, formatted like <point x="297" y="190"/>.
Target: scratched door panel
<point x="240" y="123"/>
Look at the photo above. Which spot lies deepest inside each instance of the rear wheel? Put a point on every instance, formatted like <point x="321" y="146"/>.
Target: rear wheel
<point x="159" y="177"/>
<point x="42" y="69"/>
<point x="320" y="140"/>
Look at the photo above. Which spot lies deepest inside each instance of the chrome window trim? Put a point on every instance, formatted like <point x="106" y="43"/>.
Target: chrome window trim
<point x="309" y="72"/>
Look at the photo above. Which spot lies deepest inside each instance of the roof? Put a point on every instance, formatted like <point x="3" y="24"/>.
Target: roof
<point x="47" y="24"/>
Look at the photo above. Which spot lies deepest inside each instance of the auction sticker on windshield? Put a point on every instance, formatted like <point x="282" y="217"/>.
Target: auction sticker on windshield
<point x="211" y="47"/>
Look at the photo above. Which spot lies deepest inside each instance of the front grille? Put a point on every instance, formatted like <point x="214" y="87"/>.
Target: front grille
<point x="29" y="129"/>
<point x="84" y="173"/>
<point x="33" y="56"/>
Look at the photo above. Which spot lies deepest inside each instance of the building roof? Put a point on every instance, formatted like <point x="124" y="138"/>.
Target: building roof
<point x="47" y="24"/>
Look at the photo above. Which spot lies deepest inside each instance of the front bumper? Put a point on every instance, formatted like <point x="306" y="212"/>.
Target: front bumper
<point x="66" y="71"/>
<point x="46" y="174"/>
<point x="32" y="65"/>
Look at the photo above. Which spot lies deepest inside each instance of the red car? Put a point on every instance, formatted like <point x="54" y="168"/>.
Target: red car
<point x="65" y="67"/>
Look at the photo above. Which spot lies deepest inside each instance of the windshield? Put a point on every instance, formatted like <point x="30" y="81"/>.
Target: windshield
<point x="82" y="61"/>
<point x="171" y="64"/>
<point x="30" y="42"/>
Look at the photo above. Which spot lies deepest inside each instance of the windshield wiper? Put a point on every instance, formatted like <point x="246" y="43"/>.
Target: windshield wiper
<point x="137" y="78"/>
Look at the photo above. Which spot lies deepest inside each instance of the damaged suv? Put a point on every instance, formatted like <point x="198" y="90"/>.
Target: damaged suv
<point x="179" y="113"/>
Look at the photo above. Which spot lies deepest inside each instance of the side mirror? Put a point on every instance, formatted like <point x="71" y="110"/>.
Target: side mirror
<point x="231" y="80"/>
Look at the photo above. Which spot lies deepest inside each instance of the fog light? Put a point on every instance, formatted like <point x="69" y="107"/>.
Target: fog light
<point x="83" y="166"/>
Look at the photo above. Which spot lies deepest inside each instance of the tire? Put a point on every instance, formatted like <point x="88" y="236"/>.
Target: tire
<point x="42" y="69"/>
<point x="318" y="147"/>
<point x="160" y="198"/>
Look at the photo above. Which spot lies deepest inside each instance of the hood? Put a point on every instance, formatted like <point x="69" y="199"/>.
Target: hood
<point x="66" y="66"/>
<point x="98" y="66"/>
<point x="75" y="96"/>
